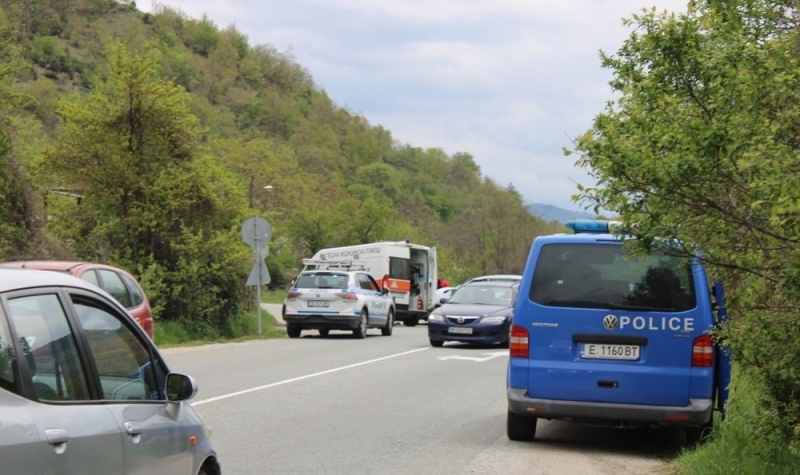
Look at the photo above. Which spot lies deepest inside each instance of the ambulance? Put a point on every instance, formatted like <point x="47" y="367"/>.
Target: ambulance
<point x="408" y="270"/>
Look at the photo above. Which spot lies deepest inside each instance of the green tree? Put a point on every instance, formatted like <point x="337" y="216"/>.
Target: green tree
<point x="152" y="200"/>
<point x="17" y="225"/>
<point x="702" y="146"/>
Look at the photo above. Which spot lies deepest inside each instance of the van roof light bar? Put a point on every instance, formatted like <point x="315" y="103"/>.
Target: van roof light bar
<point x="594" y="226"/>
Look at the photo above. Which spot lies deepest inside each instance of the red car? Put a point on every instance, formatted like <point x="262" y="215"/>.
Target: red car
<point x="118" y="283"/>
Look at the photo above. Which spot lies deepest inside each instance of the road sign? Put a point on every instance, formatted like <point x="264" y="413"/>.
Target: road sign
<point x="259" y="273"/>
<point x="256" y="232"/>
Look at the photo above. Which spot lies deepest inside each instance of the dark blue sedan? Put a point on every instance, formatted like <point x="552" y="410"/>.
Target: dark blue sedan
<point x="478" y="312"/>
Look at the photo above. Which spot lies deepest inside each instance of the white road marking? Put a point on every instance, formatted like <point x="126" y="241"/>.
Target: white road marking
<point x="490" y="356"/>
<point x="301" y="378"/>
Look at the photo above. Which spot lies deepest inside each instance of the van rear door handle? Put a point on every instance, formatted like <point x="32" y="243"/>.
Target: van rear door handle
<point x="608" y="384"/>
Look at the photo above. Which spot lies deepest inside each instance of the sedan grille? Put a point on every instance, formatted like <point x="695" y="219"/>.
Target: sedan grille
<point x="458" y="320"/>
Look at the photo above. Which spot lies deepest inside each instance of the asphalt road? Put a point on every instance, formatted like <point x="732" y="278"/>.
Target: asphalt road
<point x="388" y="405"/>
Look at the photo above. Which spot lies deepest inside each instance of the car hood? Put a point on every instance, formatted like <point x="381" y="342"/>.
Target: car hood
<point x="469" y="310"/>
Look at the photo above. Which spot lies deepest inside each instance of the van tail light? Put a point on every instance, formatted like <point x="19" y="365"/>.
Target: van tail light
<point x="703" y="352"/>
<point x="519" y="342"/>
<point x="293" y="295"/>
<point x="347" y="296"/>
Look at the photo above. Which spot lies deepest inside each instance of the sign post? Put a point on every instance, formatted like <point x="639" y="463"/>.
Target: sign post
<point x="256" y="232"/>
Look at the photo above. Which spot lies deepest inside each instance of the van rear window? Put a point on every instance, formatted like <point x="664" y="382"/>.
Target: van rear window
<point x="609" y="276"/>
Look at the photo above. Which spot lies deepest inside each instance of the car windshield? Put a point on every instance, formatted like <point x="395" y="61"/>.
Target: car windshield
<point x="483" y="295"/>
<point x="608" y="276"/>
<point x="322" y="280"/>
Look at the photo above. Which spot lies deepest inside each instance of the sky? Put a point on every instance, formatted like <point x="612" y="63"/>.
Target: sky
<point x="510" y="82"/>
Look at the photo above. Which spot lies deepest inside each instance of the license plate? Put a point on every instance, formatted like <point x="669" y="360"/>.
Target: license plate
<point x="610" y="352"/>
<point x="319" y="303"/>
<point x="461" y="330"/>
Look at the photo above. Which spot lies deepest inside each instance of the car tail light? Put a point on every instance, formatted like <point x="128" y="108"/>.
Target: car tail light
<point x="703" y="352"/>
<point x="519" y="342"/>
<point x="347" y="296"/>
<point x="293" y="295"/>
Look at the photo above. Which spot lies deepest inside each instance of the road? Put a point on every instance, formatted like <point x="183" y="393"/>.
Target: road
<point x="388" y="405"/>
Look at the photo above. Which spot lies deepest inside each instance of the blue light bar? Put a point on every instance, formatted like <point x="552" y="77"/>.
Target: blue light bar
<point x="592" y="226"/>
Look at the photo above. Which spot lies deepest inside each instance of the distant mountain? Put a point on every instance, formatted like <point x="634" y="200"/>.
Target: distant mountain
<point x="554" y="213"/>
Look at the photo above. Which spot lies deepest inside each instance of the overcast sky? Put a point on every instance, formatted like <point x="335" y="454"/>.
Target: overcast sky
<point x="507" y="81"/>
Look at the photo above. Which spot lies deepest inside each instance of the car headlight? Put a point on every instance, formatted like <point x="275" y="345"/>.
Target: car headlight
<point x="493" y="319"/>
<point x="435" y="318"/>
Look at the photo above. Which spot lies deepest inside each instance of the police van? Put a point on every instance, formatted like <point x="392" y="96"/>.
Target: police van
<point x="408" y="270"/>
<point x="601" y="335"/>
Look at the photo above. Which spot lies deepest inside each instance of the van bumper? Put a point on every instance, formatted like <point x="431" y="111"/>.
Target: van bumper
<point x="697" y="413"/>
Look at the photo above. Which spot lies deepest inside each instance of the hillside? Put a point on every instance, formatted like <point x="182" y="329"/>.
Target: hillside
<point x="169" y="129"/>
<point x="551" y="213"/>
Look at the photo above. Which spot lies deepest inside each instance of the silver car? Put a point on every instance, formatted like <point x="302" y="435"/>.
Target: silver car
<point x="84" y="391"/>
<point x="337" y="298"/>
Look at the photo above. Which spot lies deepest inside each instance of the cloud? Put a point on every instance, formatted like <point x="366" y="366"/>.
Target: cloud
<point x="508" y="81"/>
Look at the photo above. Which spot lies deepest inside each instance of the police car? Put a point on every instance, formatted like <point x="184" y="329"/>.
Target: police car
<point x="337" y="296"/>
<point x="602" y="335"/>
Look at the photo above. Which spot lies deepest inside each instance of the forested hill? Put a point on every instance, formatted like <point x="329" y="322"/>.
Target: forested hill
<point x="169" y="128"/>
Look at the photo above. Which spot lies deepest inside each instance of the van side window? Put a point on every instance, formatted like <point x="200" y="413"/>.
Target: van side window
<point x="599" y="276"/>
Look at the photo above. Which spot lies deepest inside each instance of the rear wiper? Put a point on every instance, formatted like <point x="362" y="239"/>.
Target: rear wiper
<point x="616" y="306"/>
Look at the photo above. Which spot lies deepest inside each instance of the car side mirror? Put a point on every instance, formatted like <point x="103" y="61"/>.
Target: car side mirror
<point x="180" y="387"/>
<point x="385" y="291"/>
<point x="443" y="300"/>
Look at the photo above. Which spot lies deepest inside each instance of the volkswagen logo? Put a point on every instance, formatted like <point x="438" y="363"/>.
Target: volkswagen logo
<point x="610" y="322"/>
<point x="460" y="319"/>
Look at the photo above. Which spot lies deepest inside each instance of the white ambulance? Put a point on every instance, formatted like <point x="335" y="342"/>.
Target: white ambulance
<point x="408" y="270"/>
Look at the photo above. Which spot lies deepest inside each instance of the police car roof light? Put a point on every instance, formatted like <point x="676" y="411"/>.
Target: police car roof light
<point x="348" y="264"/>
<point x="588" y="226"/>
<point x="594" y="226"/>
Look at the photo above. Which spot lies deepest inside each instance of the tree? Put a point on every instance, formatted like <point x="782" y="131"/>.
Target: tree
<point x="702" y="146"/>
<point x="17" y="225"/>
<point x="153" y="201"/>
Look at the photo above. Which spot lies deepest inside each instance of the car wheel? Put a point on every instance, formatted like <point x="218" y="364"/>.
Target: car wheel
<point x="437" y="343"/>
<point x="387" y="330"/>
<point x="324" y="331"/>
<point x="361" y="331"/>
<point x="411" y="322"/>
<point x="293" y="331"/>
<point x="520" y="428"/>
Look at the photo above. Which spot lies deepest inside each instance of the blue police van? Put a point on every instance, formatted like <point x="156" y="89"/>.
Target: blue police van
<point x="601" y="335"/>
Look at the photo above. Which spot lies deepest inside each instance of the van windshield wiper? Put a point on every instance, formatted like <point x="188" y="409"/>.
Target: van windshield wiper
<point x="616" y="306"/>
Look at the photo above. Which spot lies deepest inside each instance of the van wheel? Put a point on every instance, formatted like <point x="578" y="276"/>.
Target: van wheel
<point x="387" y="330"/>
<point x="361" y="331"/>
<point x="520" y="428"/>
<point x="437" y="343"/>
<point x="293" y="331"/>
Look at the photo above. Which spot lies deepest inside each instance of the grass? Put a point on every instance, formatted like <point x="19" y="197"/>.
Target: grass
<point x="273" y="296"/>
<point x="740" y="445"/>
<point x="245" y="327"/>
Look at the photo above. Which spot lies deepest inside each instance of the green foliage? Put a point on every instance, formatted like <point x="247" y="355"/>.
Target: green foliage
<point x="163" y="125"/>
<point x="742" y="444"/>
<point x="702" y="146"/>
<point x="152" y="202"/>
<point x="16" y="215"/>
